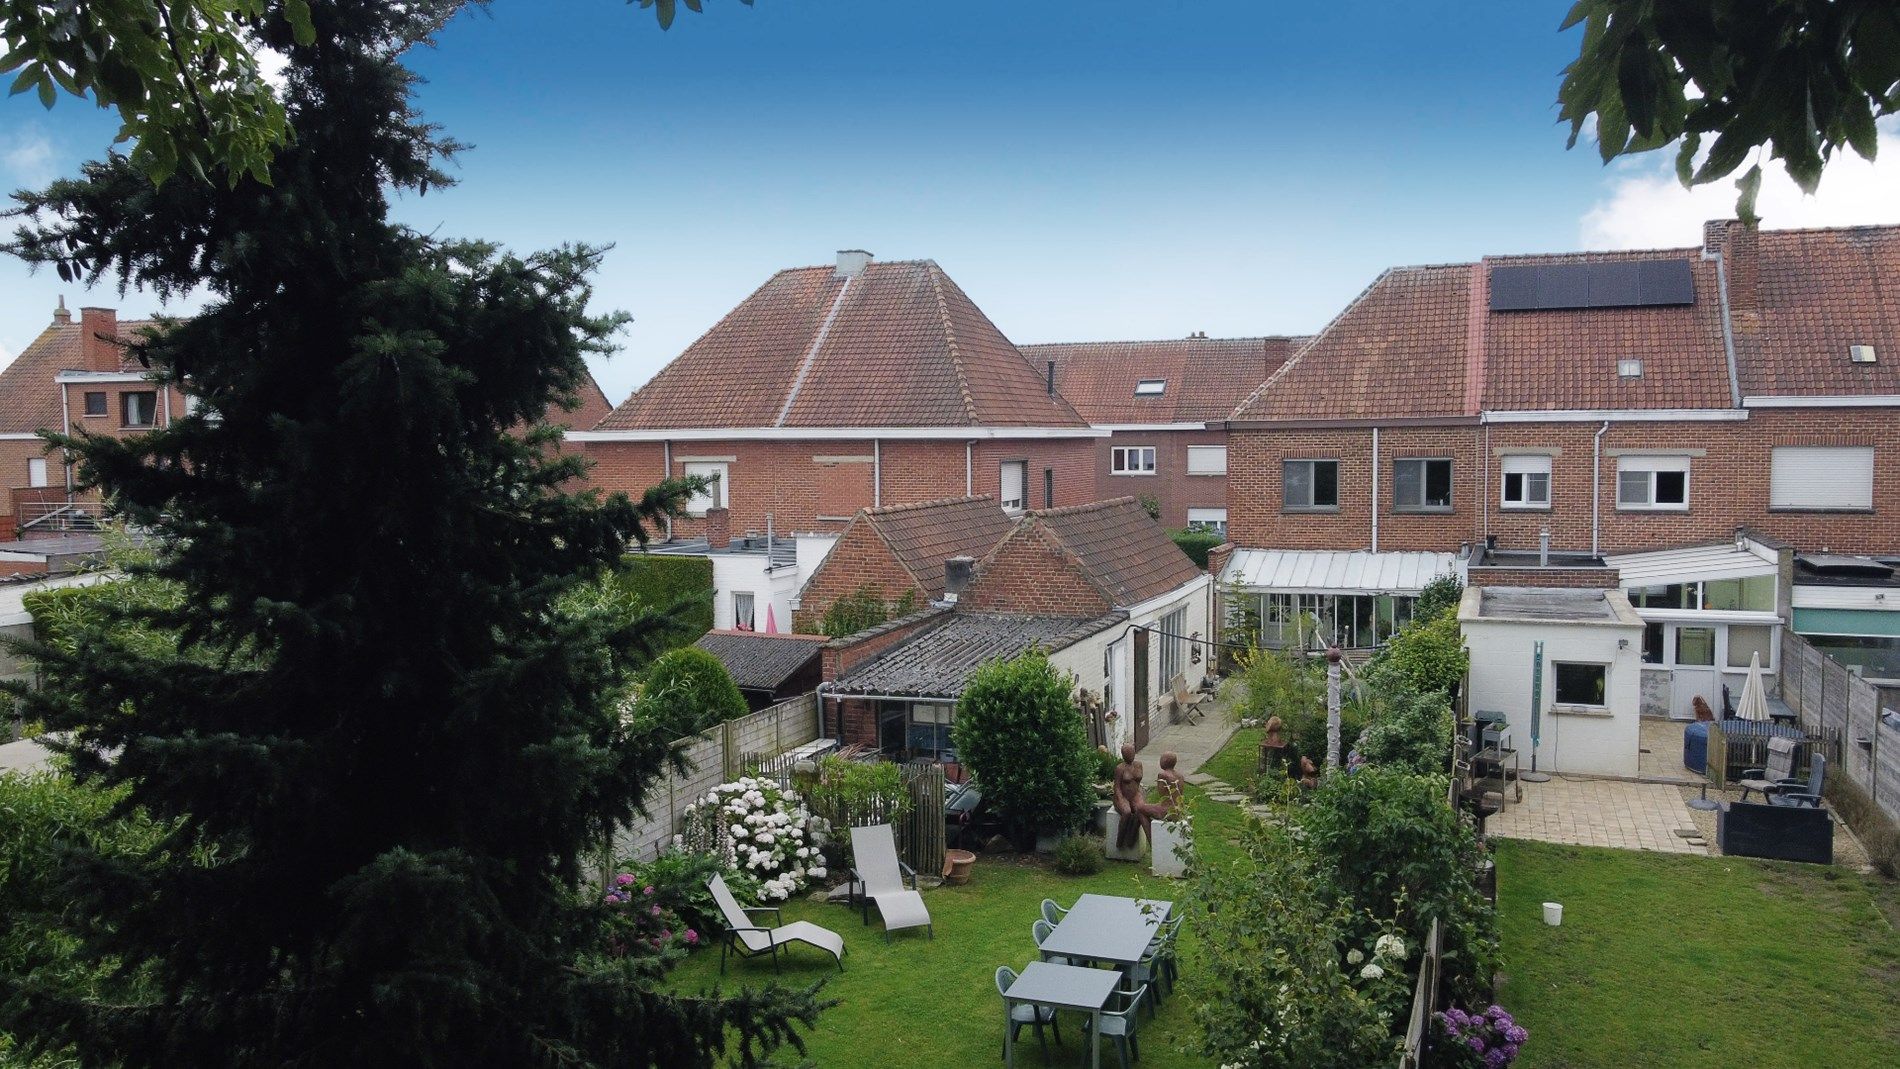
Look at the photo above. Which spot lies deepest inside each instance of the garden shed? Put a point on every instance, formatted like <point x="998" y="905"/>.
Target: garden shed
<point x="1564" y="668"/>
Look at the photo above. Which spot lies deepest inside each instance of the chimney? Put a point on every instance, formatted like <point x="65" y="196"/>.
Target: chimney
<point x="718" y="528"/>
<point x="1052" y="378"/>
<point x="1543" y="547"/>
<point x="61" y="316"/>
<point x="851" y="263"/>
<point x="99" y="349"/>
<point x="1738" y="244"/>
<point x="956" y="577"/>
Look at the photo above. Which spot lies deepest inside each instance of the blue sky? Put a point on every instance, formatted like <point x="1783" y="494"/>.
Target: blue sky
<point x="1085" y="170"/>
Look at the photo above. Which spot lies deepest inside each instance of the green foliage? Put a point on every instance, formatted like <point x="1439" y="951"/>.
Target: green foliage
<point x="850" y="793"/>
<point x="1150" y="504"/>
<point x="1197" y="544"/>
<point x="1405" y="729"/>
<point x="1105" y="763"/>
<point x="679" y="585"/>
<point x="1080" y="855"/>
<point x="666" y="9"/>
<point x="1293" y="688"/>
<point x="1438" y="597"/>
<point x="687" y="690"/>
<point x="378" y="713"/>
<point x="1018" y="731"/>
<point x="1801" y="79"/>
<point x="680" y="879"/>
<point x="1429" y="654"/>
<point x="1282" y="980"/>
<point x="863" y="609"/>
<point x="1390" y="844"/>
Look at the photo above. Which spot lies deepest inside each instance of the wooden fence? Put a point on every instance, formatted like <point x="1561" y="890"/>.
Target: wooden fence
<point x="1424" y="1000"/>
<point x="714" y="757"/>
<point x="916" y="818"/>
<point x="1844" y="712"/>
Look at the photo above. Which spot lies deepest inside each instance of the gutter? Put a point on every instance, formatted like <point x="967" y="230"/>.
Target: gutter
<point x="1596" y="483"/>
<point x="1375" y="489"/>
<point x="1728" y="325"/>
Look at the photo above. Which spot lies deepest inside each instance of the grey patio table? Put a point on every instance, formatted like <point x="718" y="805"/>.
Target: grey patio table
<point x="1107" y="928"/>
<point x="1062" y="987"/>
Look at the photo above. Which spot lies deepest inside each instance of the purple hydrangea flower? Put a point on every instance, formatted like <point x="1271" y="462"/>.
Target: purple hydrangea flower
<point x="1497" y="1059"/>
<point x="623" y="879"/>
<point x="614" y="899"/>
<point x="1516" y="1034"/>
<point x="1475" y="1044"/>
<point x="1494" y="1011"/>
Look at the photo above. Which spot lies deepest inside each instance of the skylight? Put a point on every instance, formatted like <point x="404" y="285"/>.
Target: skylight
<point x="1630" y="369"/>
<point x="1150" y="387"/>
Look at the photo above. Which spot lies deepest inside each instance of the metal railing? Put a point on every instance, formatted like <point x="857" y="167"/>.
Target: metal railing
<point x="61" y="516"/>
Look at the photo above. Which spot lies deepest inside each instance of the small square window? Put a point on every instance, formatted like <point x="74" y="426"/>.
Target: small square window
<point x="742" y="617"/>
<point x="1310" y="484"/>
<point x="96" y="402"/>
<point x="1132" y="460"/>
<point x="1581" y="684"/>
<point x="1150" y="387"/>
<point x="1655" y="482"/>
<point x="1526" y="483"/>
<point x="1629" y="369"/>
<point x="1421" y="485"/>
<point x="138" y="408"/>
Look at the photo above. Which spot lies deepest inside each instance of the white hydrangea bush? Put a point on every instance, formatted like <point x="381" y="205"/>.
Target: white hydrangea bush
<point x="764" y="831"/>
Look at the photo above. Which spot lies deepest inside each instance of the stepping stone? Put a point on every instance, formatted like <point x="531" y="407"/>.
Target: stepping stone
<point x="1200" y="779"/>
<point x="1697" y="842"/>
<point x="1689" y="833"/>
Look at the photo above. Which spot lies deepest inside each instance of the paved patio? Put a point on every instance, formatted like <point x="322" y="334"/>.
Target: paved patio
<point x="1660" y="757"/>
<point x="1602" y="812"/>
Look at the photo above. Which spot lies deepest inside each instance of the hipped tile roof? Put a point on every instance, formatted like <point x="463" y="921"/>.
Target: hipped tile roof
<point x="1820" y="292"/>
<point x="925" y="534"/>
<point x="1118" y="546"/>
<point x="1205" y="377"/>
<point x="937" y="663"/>
<point x="898" y="345"/>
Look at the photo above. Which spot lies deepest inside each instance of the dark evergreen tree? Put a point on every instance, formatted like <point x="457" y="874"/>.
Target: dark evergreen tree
<point x="386" y="751"/>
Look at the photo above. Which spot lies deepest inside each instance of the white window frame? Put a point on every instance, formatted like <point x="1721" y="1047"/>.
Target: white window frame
<point x="1207" y="460"/>
<point x="714" y="496"/>
<point x="1022" y="485"/>
<point x="1650" y="465"/>
<point x="36" y="474"/>
<point x="1208" y="520"/>
<point x="1132" y="460"/>
<point x="1173" y="636"/>
<point x="1525" y="467"/>
<point x="1555" y="666"/>
<point x="1809" y="478"/>
<point x="1151" y="387"/>
<point x="749" y="619"/>
<point x="1420" y="505"/>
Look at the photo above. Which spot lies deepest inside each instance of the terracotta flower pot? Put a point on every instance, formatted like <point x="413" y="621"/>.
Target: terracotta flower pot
<point x="956" y="866"/>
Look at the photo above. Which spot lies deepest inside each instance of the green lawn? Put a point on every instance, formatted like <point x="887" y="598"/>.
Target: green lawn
<point x="934" y="1003"/>
<point x="1690" y="961"/>
<point x="1237" y="761"/>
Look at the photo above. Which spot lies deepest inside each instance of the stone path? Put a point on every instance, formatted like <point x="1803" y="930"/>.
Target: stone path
<point x="1601" y="812"/>
<point x="23" y="756"/>
<point x="1194" y="744"/>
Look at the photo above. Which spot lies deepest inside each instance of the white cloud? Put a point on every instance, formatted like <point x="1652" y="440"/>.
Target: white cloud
<point x="1644" y="207"/>
<point x="27" y="158"/>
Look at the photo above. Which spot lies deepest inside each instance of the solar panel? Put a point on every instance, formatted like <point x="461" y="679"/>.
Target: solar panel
<point x="1618" y="284"/>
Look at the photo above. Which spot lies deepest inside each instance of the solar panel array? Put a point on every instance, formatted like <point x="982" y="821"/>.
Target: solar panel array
<point x="1615" y="284"/>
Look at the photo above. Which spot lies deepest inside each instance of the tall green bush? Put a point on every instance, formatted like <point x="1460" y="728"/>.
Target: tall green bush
<point x="1438" y="596"/>
<point x="1018" y="731"/>
<point x="689" y="690"/>
<point x="1197" y="544"/>
<point x="677" y="584"/>
<point x="1430" y="653"/>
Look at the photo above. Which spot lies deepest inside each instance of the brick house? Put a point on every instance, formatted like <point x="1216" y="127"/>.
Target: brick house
<point x="82" y="376"/>
<point x="834" y="389"/>
<point x="1101" y="587"/>
<point x="899" y="554"/>
<point x="1164" y="404"/>
<point x="1680" y="422"/>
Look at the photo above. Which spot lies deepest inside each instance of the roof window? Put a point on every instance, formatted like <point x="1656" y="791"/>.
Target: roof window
<point x="1150" y="387"/>
<point x="1860" y="354"/>
<point x="1629" y="369"/>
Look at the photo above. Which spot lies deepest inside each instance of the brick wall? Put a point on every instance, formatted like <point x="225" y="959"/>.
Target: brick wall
<point x="1171" y="485"/>
<point x="820" y="485"/>
<point x="1582" y="578"/>
<point x="841" y="655"/>
<point x="858" y="559"/>
<point x="1728" y="484"/>
<point x="1027" y="573"/>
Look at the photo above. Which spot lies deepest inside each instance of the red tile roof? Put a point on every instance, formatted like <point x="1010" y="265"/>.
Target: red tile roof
<point x="1205" y="377"/>
<point x="899" y="345"/>
<point x="1398" y="350"/>
<point x="925" y="534"/>
<point x="1820" y="292"/>
<point x="1119" y="547"/>
<point x="1567" y="358"/>
<point x="29" y="397"/>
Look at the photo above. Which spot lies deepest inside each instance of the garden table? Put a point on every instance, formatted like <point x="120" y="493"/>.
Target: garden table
<point x="1061" y="987"/>
<point x="1107" y="928"/>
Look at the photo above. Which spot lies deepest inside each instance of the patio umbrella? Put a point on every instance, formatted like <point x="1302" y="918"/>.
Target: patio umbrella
<point x="1754" y="703"/>
<point x="771" y="624"/>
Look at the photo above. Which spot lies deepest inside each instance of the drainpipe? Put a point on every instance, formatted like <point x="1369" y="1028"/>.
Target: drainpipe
<point x="1375" y="489"/>
<point x="1485" y="485"/>
<point x="666" y="459"/>
<point x="1596" y="486"/>
<point x="877" y="473"/>
<point x="969" y="471"/>
<point x="66" y="428"/>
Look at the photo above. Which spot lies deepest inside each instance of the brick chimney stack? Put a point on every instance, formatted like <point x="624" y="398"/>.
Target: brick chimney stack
<point x="61" y="316"/>
<point x="99" y="349"/>
<point x="1739" y="246"/>
<point x="718" y="528"/>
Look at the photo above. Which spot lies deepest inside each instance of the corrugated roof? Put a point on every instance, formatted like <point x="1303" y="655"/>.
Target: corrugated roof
<point x="925" y="534"/>
<point x="1120" y="547"/>
<point x="1203" y="378"/>
<point x="898" y="345"/>
<point x="1311" y="571"/>
<point x="1689" y="564"/>
<point x="938" y="662"/>
<point x="761" y="662"/>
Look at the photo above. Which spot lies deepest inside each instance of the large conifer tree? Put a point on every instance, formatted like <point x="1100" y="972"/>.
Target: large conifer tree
<point x="385" y="749"/>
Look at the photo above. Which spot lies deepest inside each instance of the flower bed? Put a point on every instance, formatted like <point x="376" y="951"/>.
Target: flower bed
<point x="762" y="831"/>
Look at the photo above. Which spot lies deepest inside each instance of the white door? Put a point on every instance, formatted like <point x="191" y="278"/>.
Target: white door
<point x="1693" y="650"/>
<point x="36" y="471"/>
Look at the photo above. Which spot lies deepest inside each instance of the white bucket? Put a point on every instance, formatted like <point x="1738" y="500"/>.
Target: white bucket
<point x="1553" y="913"/>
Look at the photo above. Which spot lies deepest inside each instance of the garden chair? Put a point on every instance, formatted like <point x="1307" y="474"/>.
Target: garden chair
<point x="1123" y="1024"/>
<point x="1162" y="947"/>
<point x="1780" y="767"/>
<point x="1040" y="931"/>
<point x="1807" y="792"/>
<point x="747" y="939"/>
<point x="1052" y="912"/>
<point x="877" y="876"/>
<point x="1020" y="1015"/>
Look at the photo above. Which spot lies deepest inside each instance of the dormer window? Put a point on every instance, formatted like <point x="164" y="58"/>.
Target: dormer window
<point x="1150" y="387"/>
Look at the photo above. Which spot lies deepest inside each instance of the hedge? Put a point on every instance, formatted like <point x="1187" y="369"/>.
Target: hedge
<point x="659" y="581"/>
